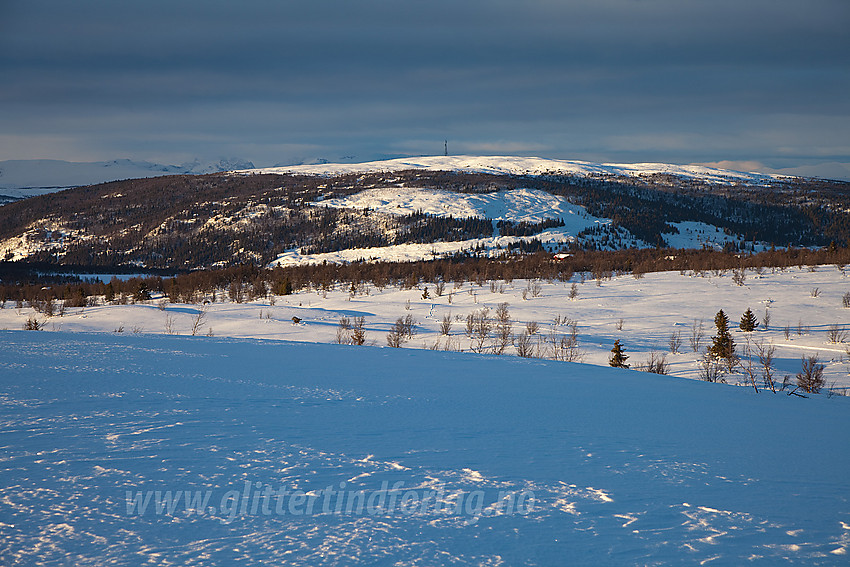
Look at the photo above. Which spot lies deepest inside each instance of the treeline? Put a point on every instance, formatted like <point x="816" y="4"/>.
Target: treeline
<point x="525" y="228"/>
<point x="247" y="281"/>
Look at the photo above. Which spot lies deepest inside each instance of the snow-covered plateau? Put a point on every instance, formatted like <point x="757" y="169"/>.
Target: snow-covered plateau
<point x="514" y="165"/>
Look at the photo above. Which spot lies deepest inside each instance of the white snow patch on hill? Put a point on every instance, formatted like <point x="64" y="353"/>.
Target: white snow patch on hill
<point x="526" y="166"/>
<point x="530" y="205"/>
<point x="552" y="239"/>
<point x="694" y="234"/>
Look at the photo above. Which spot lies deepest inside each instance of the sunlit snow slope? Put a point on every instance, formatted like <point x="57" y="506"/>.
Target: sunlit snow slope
<point x="516" y="205"/>
<point x="525" y="166"/>
<point x="615" y="466"/>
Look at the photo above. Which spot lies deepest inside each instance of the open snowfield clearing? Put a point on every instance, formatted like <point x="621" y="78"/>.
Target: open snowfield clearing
<point x="652" y="309"/>
<point x="128" y="450"/>
<point x="529" y="205"/>
<point x="553" y="240"/>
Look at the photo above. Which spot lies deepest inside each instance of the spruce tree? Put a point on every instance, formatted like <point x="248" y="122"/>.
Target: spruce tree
<point x="618" y="357"/>
<point x="748" y="321"/>
<point x="722" y="345"/>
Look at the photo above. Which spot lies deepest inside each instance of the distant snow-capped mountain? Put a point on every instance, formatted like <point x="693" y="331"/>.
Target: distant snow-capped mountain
<point x="528" y="166"/>
<point x="27" y="178"/>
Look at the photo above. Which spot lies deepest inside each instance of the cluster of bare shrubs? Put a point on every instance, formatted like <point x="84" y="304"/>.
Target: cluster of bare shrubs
<point x="351" y="332"/>
<point x="402" y="331"/>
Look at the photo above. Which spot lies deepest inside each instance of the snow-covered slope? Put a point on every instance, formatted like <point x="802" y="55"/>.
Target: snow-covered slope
<point x="27" y="178"/>
<point x="130" y="450"/>
<point x="527" y="166"/>
<point x="530" y="205"/>
<point x="516" y="205"/>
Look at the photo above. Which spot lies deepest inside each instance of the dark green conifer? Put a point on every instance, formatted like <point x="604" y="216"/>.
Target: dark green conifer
<point x="618" y="357"/>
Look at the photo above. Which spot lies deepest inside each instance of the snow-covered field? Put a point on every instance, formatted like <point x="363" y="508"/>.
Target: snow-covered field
<point x="649" y="311"/>
<point x="166" y="450"/>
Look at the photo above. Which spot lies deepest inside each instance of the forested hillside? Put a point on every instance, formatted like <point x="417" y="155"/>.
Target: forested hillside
<point x="194" y="222"/>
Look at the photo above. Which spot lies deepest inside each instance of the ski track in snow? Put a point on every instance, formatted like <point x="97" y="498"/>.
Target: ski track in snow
<point x="623" y="467"/>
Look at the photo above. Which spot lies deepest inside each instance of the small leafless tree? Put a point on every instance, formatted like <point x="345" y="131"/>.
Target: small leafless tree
<point x="711" y="369"/>
<point x="815" y="292"/>
<point x="765" y="321"/>
<point x="739" y="276"/>
<point x="747" y="363"/>
<point x="503" y="328"/>
<point x="409" y="324"/>
<point x="343" y="331"/>
<point x="573" y="291"/>
<point x="566" y="347"/>
<point x="836" y="334"/>
<point x="446" y="324"/>
<point x="619" y="324"/>
<point x="787" y="332"/>
<point x="199" y="319"/>
<point x="656" y="363"/>
<point x="765" y="354"/>
<point x="169" y="324"/>
<point x="532" y="327"/>
<point x="810" y="378"/>
<point x="845" y="300"/>
<point x="697" y="334"/>
<point x="439" y="288"/>
<point x="397" y="335"/>
<point x="675" y="341"/>
<point x="523" y="345"/>
<point x="470" y="324"/>
<point x="358" y="331"/>
<point x="482" y="324"/>
<point x="33" y="324"/>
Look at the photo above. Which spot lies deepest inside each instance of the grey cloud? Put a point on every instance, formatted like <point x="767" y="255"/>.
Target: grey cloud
<point x="658" y="79"/>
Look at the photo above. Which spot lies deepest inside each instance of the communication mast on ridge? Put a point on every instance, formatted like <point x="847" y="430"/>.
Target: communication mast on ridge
<point x="446" y="148"/>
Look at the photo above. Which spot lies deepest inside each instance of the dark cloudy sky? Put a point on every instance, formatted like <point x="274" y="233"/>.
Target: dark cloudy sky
<point x="683" y="81"/>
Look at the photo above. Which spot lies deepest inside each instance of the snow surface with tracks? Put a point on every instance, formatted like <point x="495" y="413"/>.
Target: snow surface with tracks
<point x="614" y="466"/>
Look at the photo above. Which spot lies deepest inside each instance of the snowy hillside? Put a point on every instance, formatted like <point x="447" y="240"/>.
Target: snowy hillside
<point x="527" y="166"/>
<point x="515" y="205"/>
<point x="27" y="178"/>
<point x="529" y="205"/>
<point x="128" y="450"/>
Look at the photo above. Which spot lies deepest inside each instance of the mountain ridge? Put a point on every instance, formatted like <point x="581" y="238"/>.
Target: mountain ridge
<point x="515" y="165"/>
<point x="27" y="178"/>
